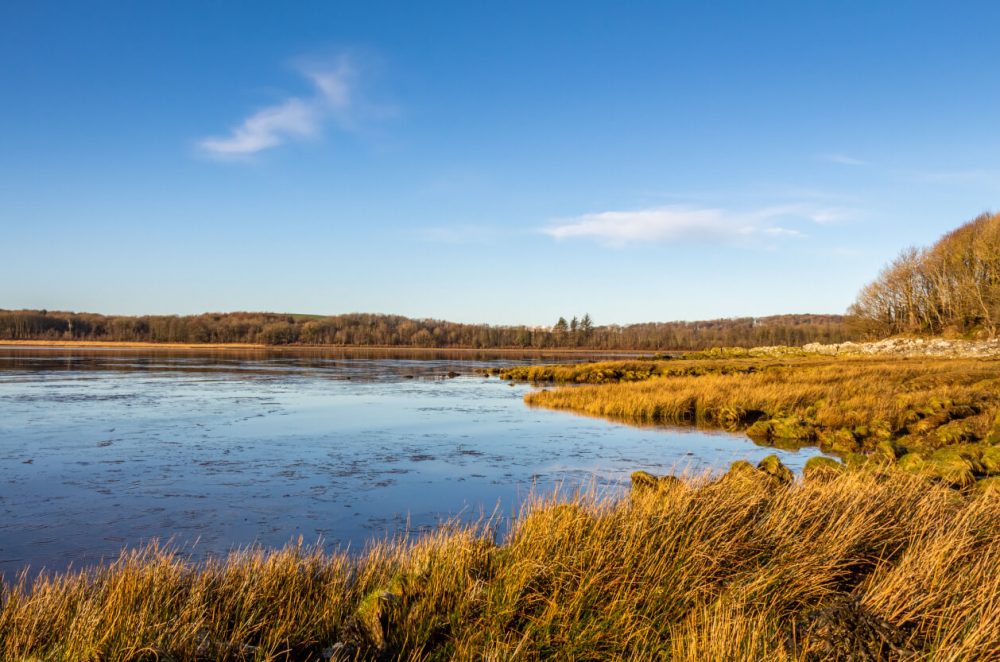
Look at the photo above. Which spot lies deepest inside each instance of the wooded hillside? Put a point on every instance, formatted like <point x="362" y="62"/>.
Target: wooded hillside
<point x="952" y="287"/>
<point x="396" y="331"/>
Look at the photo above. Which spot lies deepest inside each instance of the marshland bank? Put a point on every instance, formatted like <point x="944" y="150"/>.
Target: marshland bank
<point x="931" y="415"/>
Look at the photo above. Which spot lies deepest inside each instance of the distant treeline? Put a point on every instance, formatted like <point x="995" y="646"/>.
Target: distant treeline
<point x="953" y="287"/>
<point x="367" y="330"/>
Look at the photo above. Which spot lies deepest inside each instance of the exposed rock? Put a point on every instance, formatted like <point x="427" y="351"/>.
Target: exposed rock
<point x="845" y="630"/>
<point x="782" y="428"/>
<point x="822" y="468"/>
<point x="772" y="466"/>
<point x="770" y="472"/>
<point x="643" y="480"/>
<point x="910" y="347"/>
<point x="375" y="610"/>
<point x="914" y="347"/>
<point x="838" y="441"/>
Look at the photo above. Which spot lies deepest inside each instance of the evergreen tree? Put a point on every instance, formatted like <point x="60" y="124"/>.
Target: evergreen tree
<point x="560" y="330"/>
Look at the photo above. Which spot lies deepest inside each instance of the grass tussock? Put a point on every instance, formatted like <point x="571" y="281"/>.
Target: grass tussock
<point x="746" y="567"/>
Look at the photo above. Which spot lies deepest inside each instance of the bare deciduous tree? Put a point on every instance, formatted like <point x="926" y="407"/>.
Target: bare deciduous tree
<point x="952" y="287"/>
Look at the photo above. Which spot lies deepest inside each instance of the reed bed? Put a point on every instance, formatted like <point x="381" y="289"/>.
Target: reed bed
<point x="637" y="370"/>
<point x="845" y="405"/>
<point x="856" y="566"/>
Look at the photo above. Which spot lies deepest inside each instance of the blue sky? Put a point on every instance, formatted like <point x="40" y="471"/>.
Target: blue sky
<point x="505" y="163"/>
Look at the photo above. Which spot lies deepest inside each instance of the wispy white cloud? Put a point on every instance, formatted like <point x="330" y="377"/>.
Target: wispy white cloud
<point x="680" y="224"/>
<point x="843" y="159"/>
<point x="649" y="225"/>
<point x="810" y="212"/>
<point x="295" y="118"/>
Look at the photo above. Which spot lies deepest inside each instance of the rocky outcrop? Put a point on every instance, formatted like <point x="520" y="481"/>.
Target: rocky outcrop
<point x="913" y="347"/>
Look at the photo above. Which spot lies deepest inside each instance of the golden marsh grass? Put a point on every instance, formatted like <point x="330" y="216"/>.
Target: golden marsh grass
<point x="880" y="564"/>
<point x="845" y="405"/>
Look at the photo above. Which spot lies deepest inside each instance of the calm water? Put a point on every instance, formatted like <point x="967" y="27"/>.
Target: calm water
<point x="105" y="449"/>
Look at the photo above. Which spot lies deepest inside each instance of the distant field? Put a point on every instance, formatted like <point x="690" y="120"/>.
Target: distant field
<point x="128" y="345"/>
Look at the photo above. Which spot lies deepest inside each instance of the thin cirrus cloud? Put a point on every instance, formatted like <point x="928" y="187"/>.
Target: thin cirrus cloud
<point x="295" y="118"/>
<point x="678" y="224"/>
<point x="801" y="211"/>
<point x="842" y="159"/>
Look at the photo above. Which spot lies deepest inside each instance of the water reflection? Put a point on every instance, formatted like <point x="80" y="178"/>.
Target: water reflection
<point x="100" y="449"/>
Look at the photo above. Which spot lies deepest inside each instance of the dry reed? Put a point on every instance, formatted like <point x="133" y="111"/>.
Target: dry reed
<point x="845" y="405"/>
<point x="878" y="566"/>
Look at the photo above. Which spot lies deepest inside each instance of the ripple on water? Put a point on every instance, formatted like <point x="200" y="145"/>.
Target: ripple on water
<point x="216" y="452"/>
